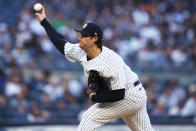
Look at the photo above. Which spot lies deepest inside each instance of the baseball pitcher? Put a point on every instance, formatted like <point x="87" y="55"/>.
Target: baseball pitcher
<point x="112" y="85"/>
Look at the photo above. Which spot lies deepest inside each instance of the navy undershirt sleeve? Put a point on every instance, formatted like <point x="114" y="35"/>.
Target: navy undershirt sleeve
<point x="109" y="96"/>
<point x="57" y="39"/>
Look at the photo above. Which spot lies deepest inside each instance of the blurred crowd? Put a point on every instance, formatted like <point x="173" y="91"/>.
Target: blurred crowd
<point x="160" y="34"/>
<point x="47" y="97"/>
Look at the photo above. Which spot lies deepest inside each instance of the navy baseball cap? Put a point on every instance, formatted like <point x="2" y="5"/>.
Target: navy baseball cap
<point x="91" y="29"/>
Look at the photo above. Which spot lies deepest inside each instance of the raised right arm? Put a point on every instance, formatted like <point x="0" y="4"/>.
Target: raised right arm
<point x="56" y="38"/>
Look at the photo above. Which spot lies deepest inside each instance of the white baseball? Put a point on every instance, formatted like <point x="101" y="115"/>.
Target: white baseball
<point x="37" y="7"/>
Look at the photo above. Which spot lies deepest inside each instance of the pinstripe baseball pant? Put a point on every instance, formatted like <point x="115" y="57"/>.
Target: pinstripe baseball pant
<point x="132" y="109"/>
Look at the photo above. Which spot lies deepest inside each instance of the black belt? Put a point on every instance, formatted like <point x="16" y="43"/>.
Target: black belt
<point x="136" y="83"/>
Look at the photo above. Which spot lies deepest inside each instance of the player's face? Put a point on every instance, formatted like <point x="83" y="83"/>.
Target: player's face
<point x="86" y="41"/>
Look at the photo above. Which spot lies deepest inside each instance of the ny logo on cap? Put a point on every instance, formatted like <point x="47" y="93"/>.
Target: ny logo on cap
<point x="84" y="26"/>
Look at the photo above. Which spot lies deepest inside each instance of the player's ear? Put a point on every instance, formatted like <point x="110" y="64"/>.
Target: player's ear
<point x="95" y="38"/>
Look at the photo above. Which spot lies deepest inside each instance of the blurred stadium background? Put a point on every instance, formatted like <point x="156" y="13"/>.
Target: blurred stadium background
<point x="38" y="86"/>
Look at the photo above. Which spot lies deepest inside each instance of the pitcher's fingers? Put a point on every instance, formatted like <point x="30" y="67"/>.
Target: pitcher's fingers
<point x="37" y="14"/>
<point x="43" y="10"/>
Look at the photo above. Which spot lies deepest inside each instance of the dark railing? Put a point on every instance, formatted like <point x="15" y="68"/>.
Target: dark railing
<point x="166" y="120"/>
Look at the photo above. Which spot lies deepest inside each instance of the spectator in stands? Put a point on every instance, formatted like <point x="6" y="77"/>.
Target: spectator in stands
<point x="151" y="32"/>
<point x="68" y="97"/>
<point x="147" y="56"/>
<point x="46" y="45"/>
<point x="53" y="88"/>
<point x="20" y="99"/>
<point x="20" y="114"/>
<point x="38" y="81"/>
<point x="21" y="56"/>
<point x="173" y="94"/>
<point x="159" y="110"/>
<point x="177" y="110"/>
<point x="164" y="98"/>
<point x="140" y="15"/>
<point x="23" y="33"/>
<point x="37" y="115"/>
<point x="160" y="60"/>
<point x="3" y="107"/>
<point x="178" y="93"/>
<point x="5" y="54"/>
<point x="4" y="33"/>
<point x="76" y="89"/>
<point x="179" y="56"/>
<point x="189" y="108"/>
<point x="12" y="86"/>
<point x="46" y="103"/>
<point x="2" y="81"/>
<point x="153" y="89"/>
<point x="60" y="106"/>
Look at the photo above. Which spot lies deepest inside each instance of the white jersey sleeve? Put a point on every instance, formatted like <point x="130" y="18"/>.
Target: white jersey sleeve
<point x="73" y="52"/>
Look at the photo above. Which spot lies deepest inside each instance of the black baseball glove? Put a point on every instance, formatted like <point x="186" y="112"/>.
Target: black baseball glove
<point x="96" y="83"/>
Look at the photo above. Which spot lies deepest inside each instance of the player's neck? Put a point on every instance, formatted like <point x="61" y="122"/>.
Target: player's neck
<point x="93" y="52"/>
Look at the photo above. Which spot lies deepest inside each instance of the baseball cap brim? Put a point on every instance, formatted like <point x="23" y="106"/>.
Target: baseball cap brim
<point x="81" y="31"/>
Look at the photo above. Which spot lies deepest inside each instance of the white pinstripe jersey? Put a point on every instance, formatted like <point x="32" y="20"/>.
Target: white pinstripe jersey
<point x="108" y="63"/>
